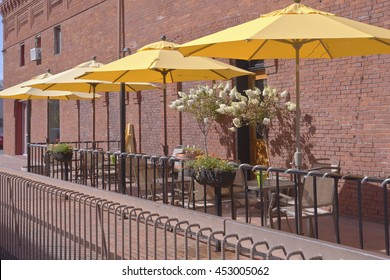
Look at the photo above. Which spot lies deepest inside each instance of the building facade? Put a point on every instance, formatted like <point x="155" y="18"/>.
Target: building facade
<point x="345" y="102"/>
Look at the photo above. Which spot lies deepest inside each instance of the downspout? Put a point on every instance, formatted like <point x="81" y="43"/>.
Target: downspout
<point x="122" y="99"/>
<point x="121" y="31"/>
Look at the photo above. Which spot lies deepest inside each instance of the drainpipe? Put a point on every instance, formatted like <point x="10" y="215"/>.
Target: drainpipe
<point x="122" y="109"/>
<point x="121" y="31"/>
<point x="28" y="128"/>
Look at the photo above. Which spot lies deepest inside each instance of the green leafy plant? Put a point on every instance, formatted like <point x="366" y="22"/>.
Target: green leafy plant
<point x="63" y="148"/>
<point x="207" y="162"/>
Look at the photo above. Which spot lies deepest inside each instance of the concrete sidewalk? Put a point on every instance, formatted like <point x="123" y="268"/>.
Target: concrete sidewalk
<point x="12" y="162"/>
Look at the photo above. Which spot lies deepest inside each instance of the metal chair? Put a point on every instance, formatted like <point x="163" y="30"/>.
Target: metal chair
<point x="199" y="196"/>
<point x="313" y="202"/>
<point x="242" y="197"/>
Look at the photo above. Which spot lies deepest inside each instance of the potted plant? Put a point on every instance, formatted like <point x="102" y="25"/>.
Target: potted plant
<point x="203" y="103"/>
<point x="62" y="152"/>
<point x="212" y="171"/>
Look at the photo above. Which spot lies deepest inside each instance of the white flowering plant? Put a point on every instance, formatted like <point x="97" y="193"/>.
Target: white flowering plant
<point x="203" y="103"/>
<point x="257" y="108"/>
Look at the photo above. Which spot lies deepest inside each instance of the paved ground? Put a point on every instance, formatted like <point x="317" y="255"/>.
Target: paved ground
<point x="13" y="162"/>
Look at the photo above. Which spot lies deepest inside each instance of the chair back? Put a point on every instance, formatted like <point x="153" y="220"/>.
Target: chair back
<point x="325" y="165"/>
<point x="144" y="173"/>
<point x="197" y="193"/>
<point x="177" y="150"/>
<point x="130" y="168"/>
<point x="238" y="184"/>
<point x="92" y="159"/>
<point x="325" y="191"/>
<point x="325" y="186"/>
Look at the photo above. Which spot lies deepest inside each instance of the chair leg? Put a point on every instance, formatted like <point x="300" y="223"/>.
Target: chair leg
<point x="288" y="224"/>
<point x="336" y="229"/>
<point x="309" y="227"/>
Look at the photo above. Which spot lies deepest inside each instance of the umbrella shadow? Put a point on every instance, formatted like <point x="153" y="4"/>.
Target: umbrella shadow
<point x="283" y="143"/>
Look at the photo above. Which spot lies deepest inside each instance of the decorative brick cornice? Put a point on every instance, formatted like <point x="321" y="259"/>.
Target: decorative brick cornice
<point x="8" y="6"/>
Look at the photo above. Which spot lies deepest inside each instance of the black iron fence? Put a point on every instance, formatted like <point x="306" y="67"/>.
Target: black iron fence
<point x="42" y="218"/>
<point x="294" y="194"/>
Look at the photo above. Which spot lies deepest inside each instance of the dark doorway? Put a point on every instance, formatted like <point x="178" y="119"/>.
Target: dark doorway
<point x="243" y="139"/>
<point x="18" y="115"/>
<point x="53" y="120"/>
<point x="246" y="135"/>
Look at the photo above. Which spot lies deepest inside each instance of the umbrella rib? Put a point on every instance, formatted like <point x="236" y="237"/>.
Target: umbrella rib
<point x="170" y="73"/>
<point x="165" y="71"/>
<point x="326" y="49"/>
<point x="257" y="50"/>
<point x="120" y="76"/>
<point x="92" y="87"/>
<point x="215" y="72"/>
<point x="383" y="42"/>
<point x="130" y="87"/>
<point x="48" y="87"/>
<point x="200" y="49"/>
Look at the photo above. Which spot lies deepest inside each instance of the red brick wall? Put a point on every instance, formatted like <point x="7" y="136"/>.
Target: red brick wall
<point x="372" y="201"/>
<point x="345" y="102"/>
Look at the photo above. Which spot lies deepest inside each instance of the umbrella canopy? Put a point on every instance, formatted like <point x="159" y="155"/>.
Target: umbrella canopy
<point x="159" y="62"/>
<point x="65" y="81"/>
<point x="294" y="32"/>
<point x="21" y="91"/>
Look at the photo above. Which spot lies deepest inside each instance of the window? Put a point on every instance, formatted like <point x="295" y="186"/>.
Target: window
<point x="54" y="120"/>
<point x="57" y="39"/>
<point x="38" y="44"/>
<point x="22" y="55"/>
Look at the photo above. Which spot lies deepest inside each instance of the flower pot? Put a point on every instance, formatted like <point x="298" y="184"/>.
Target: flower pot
<point x="63" y="157"/>
<point x="214" y="178"/>
<point x="261" y="178"/>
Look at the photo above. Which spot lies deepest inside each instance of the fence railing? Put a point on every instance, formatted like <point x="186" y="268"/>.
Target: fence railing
<point x="156" y="178"/>
<point x="43" y="218"/>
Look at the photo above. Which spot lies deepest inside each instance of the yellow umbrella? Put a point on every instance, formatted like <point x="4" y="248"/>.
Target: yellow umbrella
<point x="294" y="32"/>
<point x="21" y="91"/>
<point x="65" y="81"/>
<point x="158" y="62"/>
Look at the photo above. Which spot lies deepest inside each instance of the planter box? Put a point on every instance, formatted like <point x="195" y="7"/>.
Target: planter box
<point x="215" y="178"/>
<point x="63" y="157"/>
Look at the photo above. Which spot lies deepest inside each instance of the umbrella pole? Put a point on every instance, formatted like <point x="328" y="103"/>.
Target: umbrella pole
<point x="298" y="153"/>
<point x="47" y="121"/>
<point x="93" y="117"/>
<point x="78" y="121"/>
<point x="165" y="147"/>
<point x="28" y="138"/>
<point x="122" y="128"/>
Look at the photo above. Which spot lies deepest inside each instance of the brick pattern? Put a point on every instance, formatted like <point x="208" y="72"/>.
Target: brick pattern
<point x="344" y="101"/>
